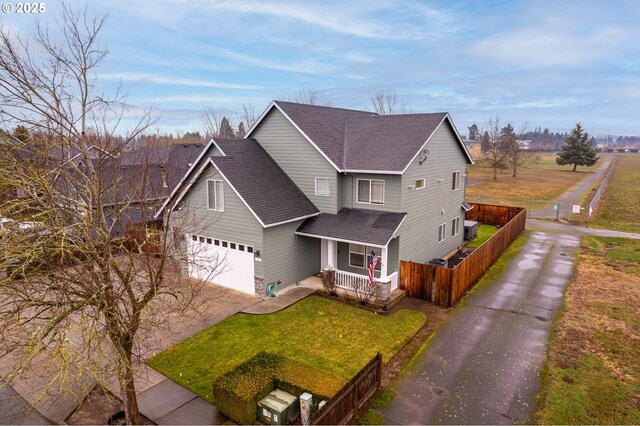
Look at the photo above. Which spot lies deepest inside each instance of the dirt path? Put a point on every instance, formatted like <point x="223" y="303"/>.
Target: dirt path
<point x="573" y="195"/>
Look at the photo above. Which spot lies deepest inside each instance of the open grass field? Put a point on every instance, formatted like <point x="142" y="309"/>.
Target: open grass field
<point x="329" y="335"/>
<point x="592" y="375"/>
<point x="620" y="207"/>
<point x="535" y="185"/>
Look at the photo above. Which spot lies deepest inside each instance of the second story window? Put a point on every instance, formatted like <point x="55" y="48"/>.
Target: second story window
<point x="215" y="195"/>
<point x="371" y="191"/>
<point x="442" y="232"/>
<point x="455" y="184"/>
<point x="323" y="186"/>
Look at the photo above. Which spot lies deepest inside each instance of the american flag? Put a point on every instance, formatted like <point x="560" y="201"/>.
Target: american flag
<point x="372" y="266"/>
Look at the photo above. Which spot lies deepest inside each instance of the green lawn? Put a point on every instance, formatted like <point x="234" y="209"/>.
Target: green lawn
<point x="320" y="332"/>
<point x="484" y="233"/>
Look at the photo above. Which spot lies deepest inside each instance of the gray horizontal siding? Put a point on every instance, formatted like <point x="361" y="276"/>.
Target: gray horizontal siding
<point x="280" y="254"/>
<point x="419" y="232"/>
<point x="308" y="257"/>
<point x="393" y="260"/>
<point x="236" y="224"/>
<point x="298" y="158"/>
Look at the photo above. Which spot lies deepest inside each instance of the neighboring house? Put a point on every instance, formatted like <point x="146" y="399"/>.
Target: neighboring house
<point x="313" y="187"/>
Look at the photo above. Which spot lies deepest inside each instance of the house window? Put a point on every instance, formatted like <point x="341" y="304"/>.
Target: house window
<point x="371" y="191"/>
<point x="208" y="240"/>
<point x="323" y="186"/>
<point x="356" y="255"/>
<point x="378" y="252"/>
<point x="233" y="246"/>
<point x="216" y="242"/>
<point x="240" y="247"/>
<point x="225" y="244"/>
<point x="419" y="184"/>
<point x="194" y="237"/>
<point x="455" y="184"/>
<point x="249" y="249"/>
<point x="442" y="232"/>
<point x="455" y="226"/>
<point x="215" y="195"/>
<point x="201" y="239"/>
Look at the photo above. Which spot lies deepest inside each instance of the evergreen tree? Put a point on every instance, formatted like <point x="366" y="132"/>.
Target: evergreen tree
<point x="241" y="131"/>
<point x="226" y="131"/>
<point x="474" y="132"/>
<point x="577" y="150"/>
<point x="21" y="133"/>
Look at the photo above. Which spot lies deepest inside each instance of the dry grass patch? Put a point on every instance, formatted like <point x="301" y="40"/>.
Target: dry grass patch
<point x="620" y="206"/>
<point x="535" y="185"/>
<point x="593" y="373"/>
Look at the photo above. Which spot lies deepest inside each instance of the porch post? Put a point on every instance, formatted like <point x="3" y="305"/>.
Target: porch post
<point x="383" y="267"/>
<point x="332" y="253"/>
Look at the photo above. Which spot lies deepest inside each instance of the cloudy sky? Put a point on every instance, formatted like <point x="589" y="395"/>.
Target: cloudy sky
<point x="548" y="64"/>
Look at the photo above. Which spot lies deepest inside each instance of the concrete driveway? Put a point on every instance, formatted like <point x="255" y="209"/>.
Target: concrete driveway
<point x="483" y="365"/>
<point x="214" y="304"/>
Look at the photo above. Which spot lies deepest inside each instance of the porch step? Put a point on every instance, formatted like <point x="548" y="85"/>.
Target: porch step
<point x="396" y="297"/>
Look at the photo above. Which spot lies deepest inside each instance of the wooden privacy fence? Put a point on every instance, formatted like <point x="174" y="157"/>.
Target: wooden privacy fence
<point x="446" y="286"/>
<point x="348" y="402"/>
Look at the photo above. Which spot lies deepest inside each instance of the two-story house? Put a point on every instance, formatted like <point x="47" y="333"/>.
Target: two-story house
<point x="312" y="187"/>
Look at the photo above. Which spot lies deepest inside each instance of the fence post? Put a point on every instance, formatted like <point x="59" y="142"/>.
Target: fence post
<point x="379" y="370"/>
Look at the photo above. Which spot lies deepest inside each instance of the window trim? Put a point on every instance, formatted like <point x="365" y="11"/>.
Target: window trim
<point x="455" y="184"/>
<point x="455" y="230"/>
<point x="217" y="207"/>
<point x="424" y="184"/>
<point x="363" y="253"/>
<point x="318" y="193"/>
<point x="442" y="234"/>
<point x="370" y="191"/>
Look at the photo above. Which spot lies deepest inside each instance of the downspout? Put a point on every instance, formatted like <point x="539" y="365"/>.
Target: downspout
<point x="297" y="264"/>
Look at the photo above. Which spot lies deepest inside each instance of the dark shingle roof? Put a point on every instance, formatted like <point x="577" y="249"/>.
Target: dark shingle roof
<point x="264" y="186"/>
<point x="361" y="140"/>
<point x="358" y="225"/>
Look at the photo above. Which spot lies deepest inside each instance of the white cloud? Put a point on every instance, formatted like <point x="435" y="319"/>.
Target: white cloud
<point x="160" y="79"/>
<point x="552" y="44"/>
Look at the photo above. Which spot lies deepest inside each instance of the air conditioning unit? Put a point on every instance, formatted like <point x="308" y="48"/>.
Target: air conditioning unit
<point x="278" y="408"/>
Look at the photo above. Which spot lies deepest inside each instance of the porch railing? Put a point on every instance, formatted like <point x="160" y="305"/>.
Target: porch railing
<point x="350" y="281"/>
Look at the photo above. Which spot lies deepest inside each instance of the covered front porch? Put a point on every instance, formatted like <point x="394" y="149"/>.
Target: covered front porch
<point x="350" y="240"/>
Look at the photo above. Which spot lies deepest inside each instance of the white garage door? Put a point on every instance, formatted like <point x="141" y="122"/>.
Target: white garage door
<point x="222" y="262"/>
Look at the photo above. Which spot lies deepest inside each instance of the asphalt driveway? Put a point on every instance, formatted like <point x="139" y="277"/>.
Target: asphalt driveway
<point x="483" y="365"/>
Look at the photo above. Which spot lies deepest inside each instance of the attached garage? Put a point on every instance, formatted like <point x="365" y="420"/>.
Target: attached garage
<point x="226" y="263"/>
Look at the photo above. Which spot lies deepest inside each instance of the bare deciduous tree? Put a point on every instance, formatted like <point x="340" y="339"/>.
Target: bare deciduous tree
<point x="309" y="96"/>
<point x="73" y="292"/>
<point x="517" y="156"/>
<point x="494" y="150"/>
<point x="385" y="103"/>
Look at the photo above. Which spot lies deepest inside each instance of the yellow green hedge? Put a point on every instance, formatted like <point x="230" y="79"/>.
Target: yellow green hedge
<point x="236" y="393"/>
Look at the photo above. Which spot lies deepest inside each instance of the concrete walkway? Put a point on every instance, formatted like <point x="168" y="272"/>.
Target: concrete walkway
<point x="573" y="195"/>
<point x="483" y="365"/>
<point x="565" y="227"/>
<point x="168" y="403"/>
<point x="286" y="298"/>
